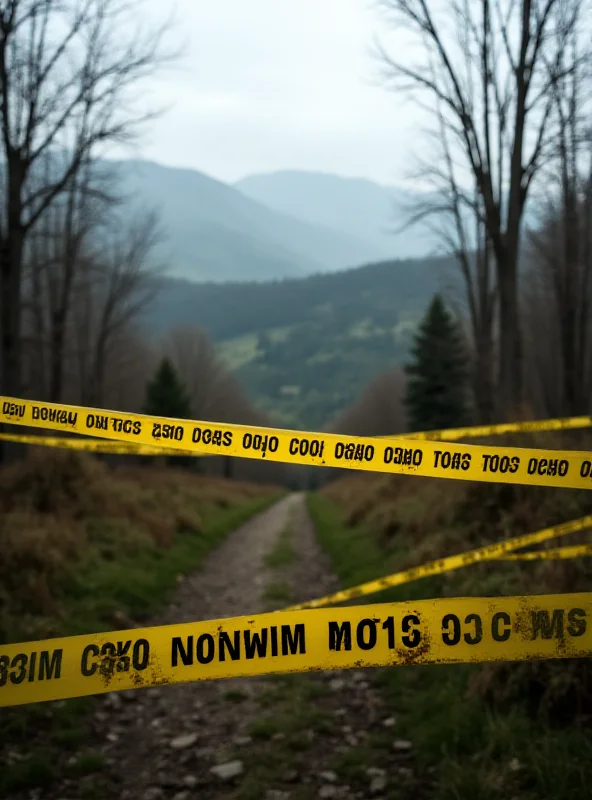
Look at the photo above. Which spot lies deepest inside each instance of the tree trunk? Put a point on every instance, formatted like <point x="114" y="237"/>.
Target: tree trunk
<point x="483" y="379"/>
<point x="10" y="266"/>
<point x="572" y="378"/>
<point x="56" y="372"/>
<point x="509" y="398"/>
<point x="11" y="251"/>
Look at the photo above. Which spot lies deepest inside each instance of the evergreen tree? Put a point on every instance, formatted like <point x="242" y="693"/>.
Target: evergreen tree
<point x="167" y="397"/>
<point x="436" y="394"/>
<point x="165" y="394"/>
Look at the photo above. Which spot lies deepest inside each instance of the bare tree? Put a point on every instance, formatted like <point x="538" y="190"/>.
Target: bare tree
<point x="562" y="246"/>
<point x="379" y="411"/>
<point x="69" y="74"/>
<point x="131" y="362"/>
<point x="493" y="66"/>
<point x="202" y="371"/>
<point x="66" y="231"/>
<point x="118" y="284"/>
<point x="456" y="216"/>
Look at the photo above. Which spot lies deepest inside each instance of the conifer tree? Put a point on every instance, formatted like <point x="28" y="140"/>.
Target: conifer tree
<point x="167" y="397"/>
<point x="165" y="394"/>
<point x="436" y="394"/>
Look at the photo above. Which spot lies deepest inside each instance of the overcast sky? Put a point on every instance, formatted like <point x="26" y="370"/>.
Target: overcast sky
<point x="279" y="84"/>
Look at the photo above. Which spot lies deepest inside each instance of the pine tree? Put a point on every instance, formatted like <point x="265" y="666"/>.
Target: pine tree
<point x="436" y="394"/>
<point x="167" y="397"/>
<point x="165" y="394"/>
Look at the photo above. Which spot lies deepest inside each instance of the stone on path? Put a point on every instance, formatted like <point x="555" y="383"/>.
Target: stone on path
<point x="378" y="784"/>
<point x="153" y="793"/>
<point x="402" y="745"/>
<point x="183" y="741"/>
<point x="113" y="700"/>
<point x="228" y="771"/>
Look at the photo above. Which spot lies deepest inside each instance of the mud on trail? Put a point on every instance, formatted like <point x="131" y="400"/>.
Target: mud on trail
<point x="325" y="735"/>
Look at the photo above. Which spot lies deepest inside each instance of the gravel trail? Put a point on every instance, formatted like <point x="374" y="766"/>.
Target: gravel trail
<point x="294" y="737"/>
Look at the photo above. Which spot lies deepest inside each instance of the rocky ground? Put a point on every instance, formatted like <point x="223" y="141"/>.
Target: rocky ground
<point x="323" y="735"/>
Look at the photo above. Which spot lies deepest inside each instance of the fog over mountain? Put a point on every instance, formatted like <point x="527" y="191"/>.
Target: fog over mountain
<point x="268" y="227"/>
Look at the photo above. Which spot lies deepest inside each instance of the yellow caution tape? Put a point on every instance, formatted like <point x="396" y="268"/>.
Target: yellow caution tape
<point x="478" y="431"/>
<point x="574" y="551"/>
<point x="443" y="631"/>
<point x="490" y="552"/>
<point x="445" y="434"/>
<point x="566" y="469"/>
<point x="96" y="445"/>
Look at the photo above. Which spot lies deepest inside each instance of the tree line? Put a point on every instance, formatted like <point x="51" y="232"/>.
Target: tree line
<point x="505" y="84"/>
<point x="72" y="274"/>
<point x="77" y="257"/>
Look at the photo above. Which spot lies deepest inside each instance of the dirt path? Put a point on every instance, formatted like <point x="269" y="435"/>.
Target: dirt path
<point x="277" y="738"/>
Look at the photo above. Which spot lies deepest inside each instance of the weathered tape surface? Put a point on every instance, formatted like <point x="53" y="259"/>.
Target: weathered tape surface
<point x="490" y="552"/>
<point x="479" y="431"/>
<point x="444" y="631"/>
<point x="566" y="469"/>
<point x="95" y="445"/>
<point x="445" y="434"/>
<point x="552" y="554"/>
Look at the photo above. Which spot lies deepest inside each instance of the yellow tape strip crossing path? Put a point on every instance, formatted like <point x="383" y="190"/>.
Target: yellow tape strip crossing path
<point x="566" y="469"/>
<point x="445" y="434"/>
<point x="491" y="552"/>
<point x="444" y="631"/>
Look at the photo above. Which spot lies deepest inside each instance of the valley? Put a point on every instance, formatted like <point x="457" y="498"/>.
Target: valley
<point x="306" y="348"/>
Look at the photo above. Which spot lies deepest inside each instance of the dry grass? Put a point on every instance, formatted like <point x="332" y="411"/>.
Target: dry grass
<point x="415" y="520"/>
<point x="60" y="508"/>
<point x="471" y="721"/>
<point x="86" y="548"/>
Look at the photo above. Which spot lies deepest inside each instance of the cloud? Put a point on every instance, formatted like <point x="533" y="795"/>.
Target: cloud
<point x="272" y="84"/>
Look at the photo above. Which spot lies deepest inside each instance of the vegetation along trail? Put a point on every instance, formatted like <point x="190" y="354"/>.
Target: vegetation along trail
<point x="296" y="736"/>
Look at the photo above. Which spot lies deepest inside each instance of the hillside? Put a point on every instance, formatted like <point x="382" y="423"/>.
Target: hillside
<point x="306" y="348"/>
<point x="212" y="231"/>
<point x="355" y="206"/>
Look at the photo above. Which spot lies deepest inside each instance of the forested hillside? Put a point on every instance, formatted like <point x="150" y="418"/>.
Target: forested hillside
<point x="306" y="348"/>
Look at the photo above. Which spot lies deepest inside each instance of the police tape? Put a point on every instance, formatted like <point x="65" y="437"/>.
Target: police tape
<point x="442" y="631"/>
<point x="445" y="434"/>
<point x="552" y="554"/>
<point x="490" y="552"/>
<point x="566" y="469"/>
<point x="481" y="431"/>
<point x="96" y="445"/>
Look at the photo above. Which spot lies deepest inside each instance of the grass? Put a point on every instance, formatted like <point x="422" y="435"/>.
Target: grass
<point x="283" y="554"/>
<point x="281" y="734"/>
<point x="278" y="592"/>
<point x="85" y="549"/>
<point x="491" y="731"/>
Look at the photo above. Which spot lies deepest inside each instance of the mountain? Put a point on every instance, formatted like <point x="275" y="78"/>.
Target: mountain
<point x="360" y="207"/>
<point x="306" y="348"/>
<point x="213" y="231"/>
